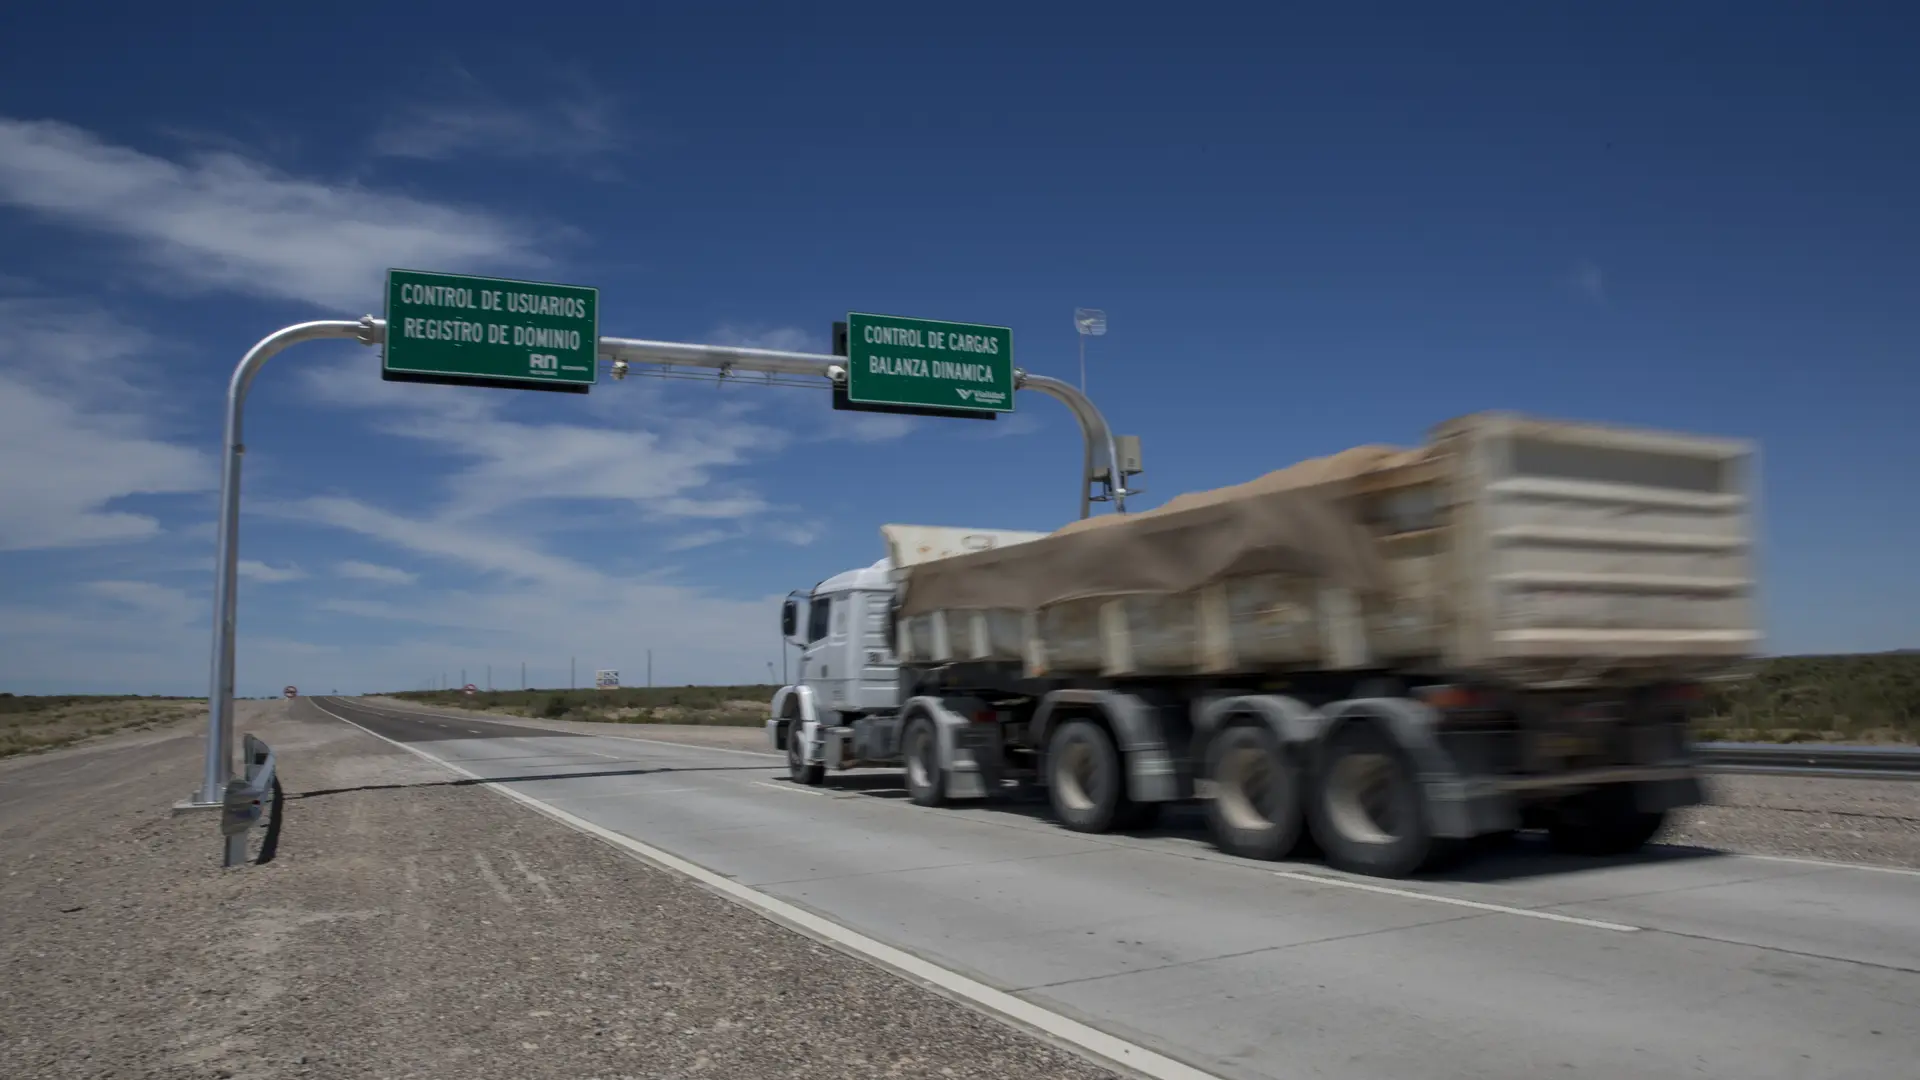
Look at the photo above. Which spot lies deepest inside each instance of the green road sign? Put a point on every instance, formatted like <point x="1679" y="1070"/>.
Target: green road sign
<point x="943" y="365"/>
<point x="482" y="331"/>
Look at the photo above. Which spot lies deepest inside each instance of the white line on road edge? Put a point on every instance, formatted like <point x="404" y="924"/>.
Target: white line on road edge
<point x="1828" y="864"/>
<point x="1477" y="905"/>
<point x="1108" y="1049"/>
<point x="793" y="788"/>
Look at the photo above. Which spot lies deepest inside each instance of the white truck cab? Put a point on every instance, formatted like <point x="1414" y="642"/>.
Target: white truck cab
<point x="848" y="668"/>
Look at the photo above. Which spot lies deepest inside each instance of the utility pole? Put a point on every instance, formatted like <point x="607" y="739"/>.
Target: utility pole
<point x="523" y="674"/>
<point x="573" y="674"/>
<point x="489" y="678"/>
<point x="463" y="678"/>
<point x="649" y="668"/>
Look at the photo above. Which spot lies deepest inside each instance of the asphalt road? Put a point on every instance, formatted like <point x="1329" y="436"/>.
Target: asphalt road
<point x="1677" y="963"/>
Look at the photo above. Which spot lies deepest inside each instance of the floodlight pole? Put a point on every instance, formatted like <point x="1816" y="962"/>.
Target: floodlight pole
<point x="218" y="765"/>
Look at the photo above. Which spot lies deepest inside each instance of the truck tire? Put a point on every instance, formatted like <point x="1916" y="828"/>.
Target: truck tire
<point x="1367" y="811"/>
<point x="797" y="768"/>
<point x="920" y="756"/>
<point x="1084" y="779"/>
<point x="1602" y="821"/>
<point x="1256" y="810"/>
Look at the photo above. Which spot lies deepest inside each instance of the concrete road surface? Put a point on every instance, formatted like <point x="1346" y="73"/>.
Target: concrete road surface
<point x="1523" y="965"/>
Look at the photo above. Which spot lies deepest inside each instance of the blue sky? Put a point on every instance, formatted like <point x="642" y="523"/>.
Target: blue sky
<point x="1309" y="230"/>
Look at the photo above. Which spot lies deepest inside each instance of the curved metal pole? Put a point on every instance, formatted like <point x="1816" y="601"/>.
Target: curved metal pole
<point x="219" y="759"/>
<point x="1093" y="430"/>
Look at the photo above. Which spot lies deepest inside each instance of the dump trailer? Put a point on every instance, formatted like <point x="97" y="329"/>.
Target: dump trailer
<point x="1391" y="651"/>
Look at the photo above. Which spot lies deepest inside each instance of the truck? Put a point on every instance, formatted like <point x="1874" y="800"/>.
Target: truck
<point x="1386" y="654"/>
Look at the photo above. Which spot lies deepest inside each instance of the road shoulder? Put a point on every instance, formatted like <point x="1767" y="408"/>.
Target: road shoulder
<point x="416" y="925"/>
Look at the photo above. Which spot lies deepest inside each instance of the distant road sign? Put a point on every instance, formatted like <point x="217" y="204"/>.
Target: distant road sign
<point x="898" y="361"/>
<point x="606" y="680"/>
<point x="469" y="689"/>
<point x="291" y="691"/>
<point x="482" y="331"/>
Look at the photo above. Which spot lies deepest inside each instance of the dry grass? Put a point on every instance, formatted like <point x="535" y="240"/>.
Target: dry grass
<point x="42" y="723"/>
<point x="729" y="706"/>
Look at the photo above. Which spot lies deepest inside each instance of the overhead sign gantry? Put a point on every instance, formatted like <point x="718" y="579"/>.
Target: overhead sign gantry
<point x="477" y="331"/>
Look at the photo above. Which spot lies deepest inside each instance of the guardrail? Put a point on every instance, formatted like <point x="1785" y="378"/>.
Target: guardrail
<point x="245" y="803"/>
<point x="1812" y="759"/>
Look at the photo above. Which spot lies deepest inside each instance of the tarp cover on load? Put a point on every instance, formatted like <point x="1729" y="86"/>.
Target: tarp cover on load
<point x="1290" y="521"/>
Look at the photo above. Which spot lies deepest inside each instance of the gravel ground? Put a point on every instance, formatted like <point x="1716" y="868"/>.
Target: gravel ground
<point x="410" y="926"/>
<point x="1861" y="821"/>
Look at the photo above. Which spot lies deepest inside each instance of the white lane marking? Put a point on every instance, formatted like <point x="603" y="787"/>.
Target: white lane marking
<point x="1456" y="901"/>
<point x="794" y="788"/>
<point x="410" y="714"/>
<point x="1110" y="1049"/>
<point x="1827" y="864"/>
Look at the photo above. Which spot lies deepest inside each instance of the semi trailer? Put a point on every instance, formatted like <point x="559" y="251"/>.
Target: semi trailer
<point x="1386" y="652"/>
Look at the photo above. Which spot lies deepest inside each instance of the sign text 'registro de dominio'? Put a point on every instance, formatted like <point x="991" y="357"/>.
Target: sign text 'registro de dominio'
<point x="481" y="331"/>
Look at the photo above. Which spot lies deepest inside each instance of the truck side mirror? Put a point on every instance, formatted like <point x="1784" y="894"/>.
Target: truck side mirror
<point x="789" y="619"/>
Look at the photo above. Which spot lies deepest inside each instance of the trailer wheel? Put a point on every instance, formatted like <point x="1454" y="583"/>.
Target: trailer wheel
<point x="1084" y="780"/>
<point x="920" y="748"/>
<point x="1602" y="821"/>
<point x="797" y="768"/>
<point x="1255" y="811"/>
<point x="1367" y="811"/>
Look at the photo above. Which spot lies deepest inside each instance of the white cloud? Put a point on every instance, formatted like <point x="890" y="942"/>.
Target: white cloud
<point x="255" y="570"/>
<point x="355" y="570"/>
<point x="702" y="538"/>
<point x="578" y="126"/>
<point x="159" y="606"/>
<point x="780" y="338"/>
<point x="670" y="469"/>
<point x="223" y="221"/>
<point x="72" y="443"/>
<point x="456" y="542"/>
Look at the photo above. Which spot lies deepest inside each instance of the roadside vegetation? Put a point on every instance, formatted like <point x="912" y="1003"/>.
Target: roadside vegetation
<point x="1867" y="698"/>
<point x="42" y="723"/>
<point x="1863" y="698"/>
<point x="731" y="706"/>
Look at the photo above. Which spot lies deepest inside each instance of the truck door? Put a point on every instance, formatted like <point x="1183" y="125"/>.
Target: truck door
<point x="821" y="667"/>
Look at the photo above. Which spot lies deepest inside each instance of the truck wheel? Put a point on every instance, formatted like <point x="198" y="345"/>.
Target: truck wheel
<point x="1602" y="821"/>
<point x="797" y="767"/>
<point x="920" y="747"/>
<point x="1255" y="810"/>
<point x="1083" y="777"/>
<point x="1367" y="811"/>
